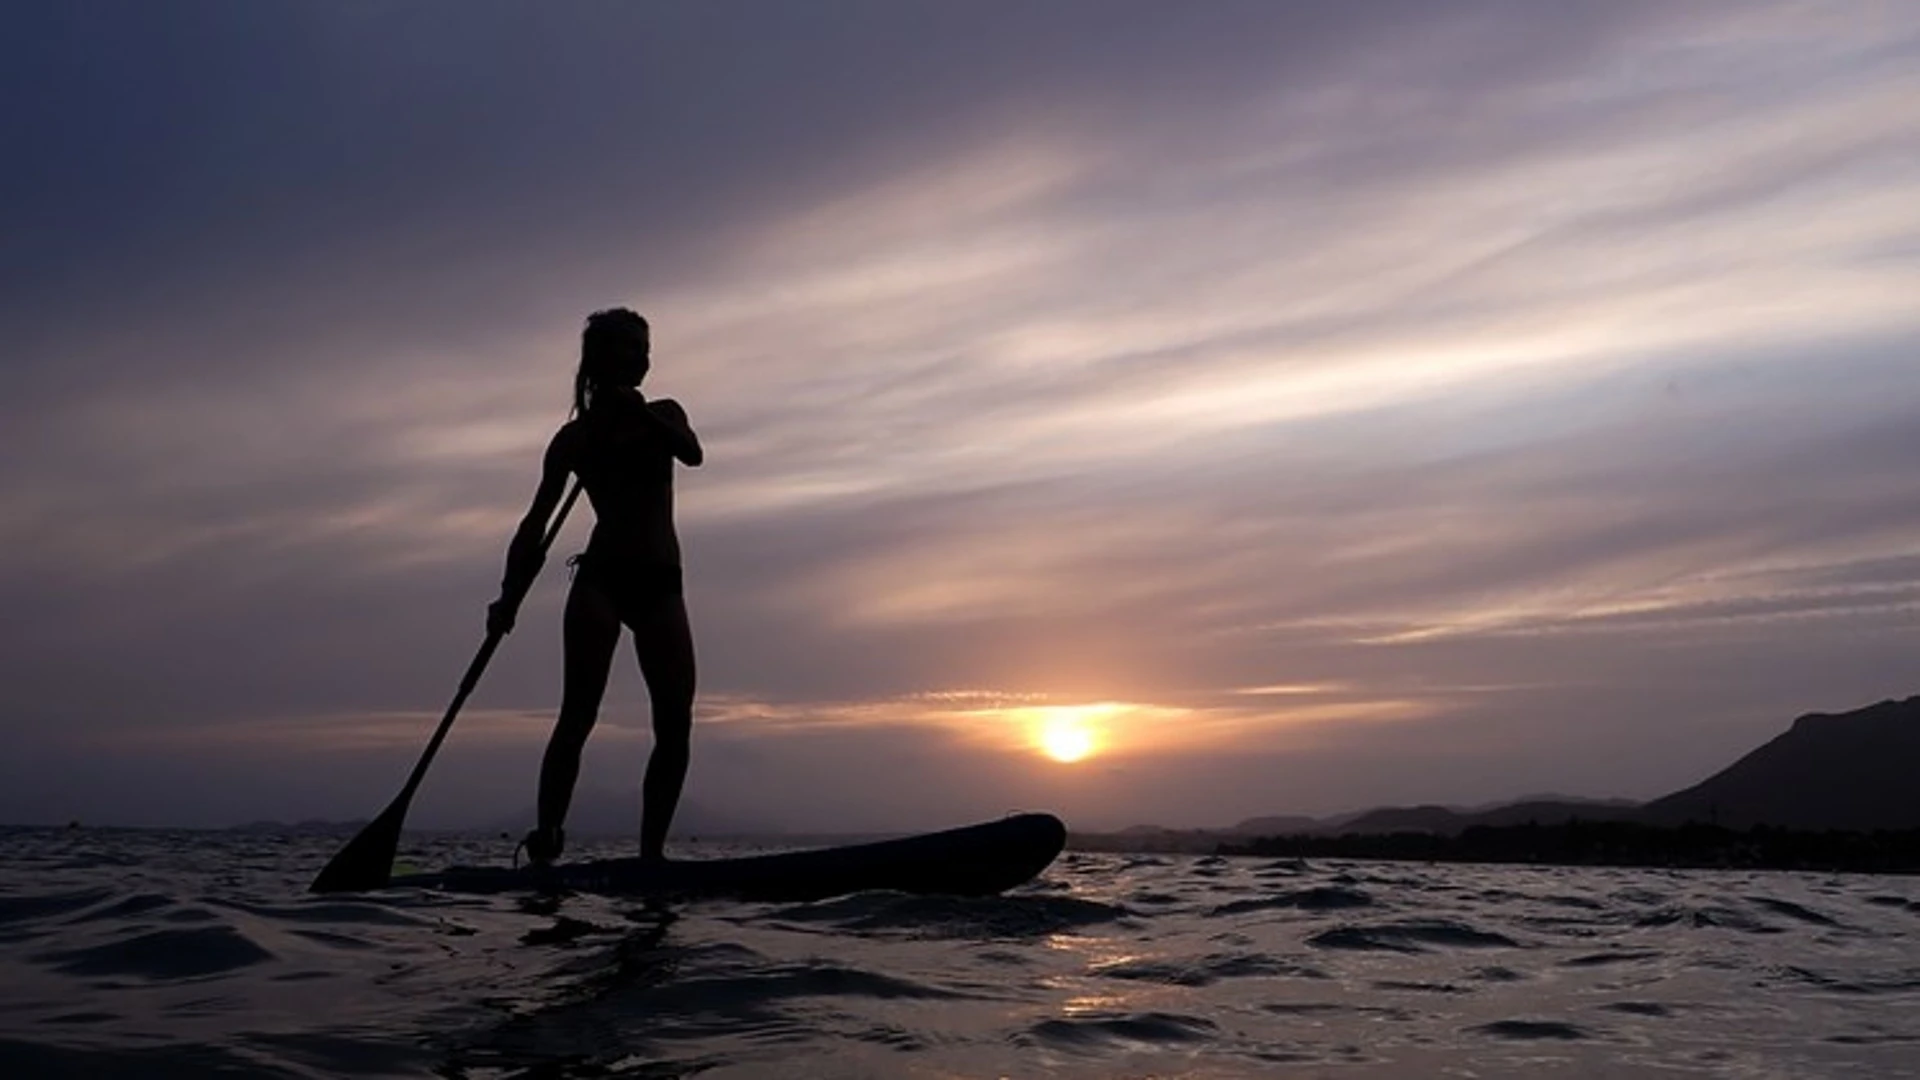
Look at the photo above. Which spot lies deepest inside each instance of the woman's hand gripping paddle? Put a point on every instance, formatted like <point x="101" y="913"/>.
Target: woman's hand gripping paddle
<point x="367" y="860"/>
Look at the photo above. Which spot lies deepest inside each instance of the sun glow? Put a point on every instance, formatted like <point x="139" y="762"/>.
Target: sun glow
<point x="1063" y="742"/>
<point x="1067" y="733"/>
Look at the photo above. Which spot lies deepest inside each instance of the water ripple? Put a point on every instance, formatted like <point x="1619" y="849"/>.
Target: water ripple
<point x="160" y="954"/>
<point x="1117" y="1032"/>
<point x="1412" y="936"/>
<point x="1529" y="1030"/>
<point x="1318" y="898"/>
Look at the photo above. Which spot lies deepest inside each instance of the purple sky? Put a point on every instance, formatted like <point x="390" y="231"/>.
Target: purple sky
<point x="1312" y="406"/>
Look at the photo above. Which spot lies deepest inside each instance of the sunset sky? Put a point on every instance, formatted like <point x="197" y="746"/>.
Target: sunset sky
<point x="1274" y="407"/>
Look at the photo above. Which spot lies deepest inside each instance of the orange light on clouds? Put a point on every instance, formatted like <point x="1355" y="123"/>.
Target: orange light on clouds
<point x="1002" y="720"/>
<point x="1292" y="690"/>
<point x="1071" y="734"/>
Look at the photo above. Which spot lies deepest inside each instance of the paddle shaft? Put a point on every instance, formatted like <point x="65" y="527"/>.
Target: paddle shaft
<point x="367" y="860"/>
<point x="474" y="670"/>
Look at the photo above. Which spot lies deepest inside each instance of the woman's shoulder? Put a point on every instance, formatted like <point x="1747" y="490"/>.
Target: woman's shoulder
<point x="566" y="441"/>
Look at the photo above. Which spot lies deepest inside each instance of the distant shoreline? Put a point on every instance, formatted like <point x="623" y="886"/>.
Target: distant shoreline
<point x="1692" y="846"/>
<point x="1575" y="842"/>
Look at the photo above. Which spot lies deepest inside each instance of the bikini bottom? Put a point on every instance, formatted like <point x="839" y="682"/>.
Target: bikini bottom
<point x="637" y="589"/>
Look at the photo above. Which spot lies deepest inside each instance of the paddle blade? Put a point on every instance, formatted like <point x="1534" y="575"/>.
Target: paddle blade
<point x="367" y="860"/>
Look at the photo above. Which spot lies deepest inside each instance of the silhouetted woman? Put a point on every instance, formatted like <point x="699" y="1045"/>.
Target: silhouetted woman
<point x="622" y="447"/>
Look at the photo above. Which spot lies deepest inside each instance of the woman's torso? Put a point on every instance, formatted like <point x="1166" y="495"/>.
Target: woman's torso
<point x="628" y="473"/>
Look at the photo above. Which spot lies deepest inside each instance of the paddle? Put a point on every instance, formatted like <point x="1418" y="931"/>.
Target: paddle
<point x="367" y="860"/>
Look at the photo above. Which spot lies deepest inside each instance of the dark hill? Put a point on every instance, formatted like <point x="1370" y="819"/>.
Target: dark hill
<point x="1556" y="812"/>
<point x="1853" y="770"/>
<point x="1276" y="825"/>
<point x="1392" y="819"/>
<point x="1443" y="821"/>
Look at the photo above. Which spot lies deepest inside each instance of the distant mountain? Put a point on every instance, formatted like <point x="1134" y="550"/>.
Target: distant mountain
<point x="1438" y="820"/>
<point x="1142" y="838"/>
<point x="1846" y="771"/>
<point x="1275" y="825"/>
<point x="1852" y="770"/>
<point x="1557" y="811"/>
<point x="1392" y="819"/>
<point x="1450" y="821"/>
<point x="1548" y="797"/>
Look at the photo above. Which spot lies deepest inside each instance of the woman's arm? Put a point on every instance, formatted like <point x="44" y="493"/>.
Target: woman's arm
<point x="525" y="553"/>
<point x="667" y="418"/>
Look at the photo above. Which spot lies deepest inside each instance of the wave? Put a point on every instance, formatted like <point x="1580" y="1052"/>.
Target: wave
<point x="49" y="1059"/>
<point x="211" y="961"/>
<point x="1533" y="1030"/>
<point x="1639" y="1008"/>
<point x="1613" y="956"/>
<point x="1118" y="1032"/>
<point x="18" y="909"/>
<point x="163" y="954"/>
<point x="1793" y="911"/>
<point x="1205" y="970"/>
<point x="819" y="978"/>
<point x="1410" y="937"/>
<point x="1017" y="916"/>
<point x="1865" y="985"/>
<point x="1319" y="898"/>
<point x="1705" y="917"/>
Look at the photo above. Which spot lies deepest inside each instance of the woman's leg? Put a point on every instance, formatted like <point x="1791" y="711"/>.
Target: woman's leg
<point x="664" y="643"/>
<point x="590" y="630"/>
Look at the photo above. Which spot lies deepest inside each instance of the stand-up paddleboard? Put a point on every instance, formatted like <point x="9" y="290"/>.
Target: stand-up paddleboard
<point x="978" y="860"/>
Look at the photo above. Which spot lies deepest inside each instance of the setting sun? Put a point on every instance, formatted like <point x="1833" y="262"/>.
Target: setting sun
<point x="1066" y="742"/>
<point x="1067" y="733"/>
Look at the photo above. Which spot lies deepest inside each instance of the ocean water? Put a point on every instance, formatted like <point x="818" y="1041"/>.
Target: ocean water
<point x="151" y="954"/>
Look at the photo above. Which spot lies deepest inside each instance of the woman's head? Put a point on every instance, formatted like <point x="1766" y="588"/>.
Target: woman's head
<point x="613" y="354"/>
